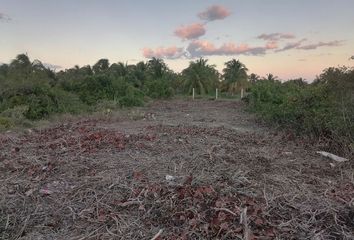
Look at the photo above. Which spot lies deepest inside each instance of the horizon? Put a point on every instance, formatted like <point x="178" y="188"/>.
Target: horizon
<point x="288" y="39"/>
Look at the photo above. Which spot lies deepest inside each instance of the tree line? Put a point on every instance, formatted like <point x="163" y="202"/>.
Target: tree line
<point x="40" y="91"/>
<point x="324" y="108"/>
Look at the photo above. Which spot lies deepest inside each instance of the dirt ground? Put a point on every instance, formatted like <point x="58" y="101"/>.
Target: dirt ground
<point x="174" y="169"/>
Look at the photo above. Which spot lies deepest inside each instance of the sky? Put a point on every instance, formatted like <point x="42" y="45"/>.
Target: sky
<point x="287" y="38"/>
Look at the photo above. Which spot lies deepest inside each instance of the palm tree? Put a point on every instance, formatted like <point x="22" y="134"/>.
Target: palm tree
<point x="253" y="78"/>
<point x="271" y="77"/>
<point x="235" y="75"/>
<point x="119" y="69"/>
<point x="101" y="66"/>
<point x="156" y="67"/>
<point x="201" y="76"/>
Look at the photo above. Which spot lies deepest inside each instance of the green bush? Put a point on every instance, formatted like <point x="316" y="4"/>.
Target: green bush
<point x="323" y="109"/>
<point x="5" y="123"/>
<point x="67" y="102"/>
<point x="132" y="97"/>
<point x="159" y="88"/>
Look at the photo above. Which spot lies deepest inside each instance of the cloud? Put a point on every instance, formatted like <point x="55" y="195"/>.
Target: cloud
<point x="276" y="36"/>
<point x="299" y="45"/>
<point x="321" y="44"/>
<point x="189" y="32"/>
<point x="272" y="45"/>
<point x="169" y="53"/>
<point x="4" y="18"/>
<point x="200" y="48"/>
<point x="291" y="45"/>
<point x="215" y="12"/>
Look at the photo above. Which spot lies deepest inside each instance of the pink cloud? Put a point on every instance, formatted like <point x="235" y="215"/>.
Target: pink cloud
<point x="170" y="52"/>
<point x="192" y="31"/>
<point x="200" y="48"/>
<point x="272" y="45"/>
<point x="276" y="36"/>
<point x="215" y="12"/>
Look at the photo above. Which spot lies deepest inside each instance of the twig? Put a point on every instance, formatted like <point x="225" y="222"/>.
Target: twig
<point x="7" y="222"/>
<point x="111" y="233"/>
<point x="226" y="210"/>
<point x="126" y="204"/>
<point x="23" y="227"/>
<point x="90" y="234"/>
<point x="244" y="221"/>
<point x="157" y="235"/>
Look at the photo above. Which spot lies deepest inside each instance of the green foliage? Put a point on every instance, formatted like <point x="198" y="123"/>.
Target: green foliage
<point x="40" y="92"/>
<point x="323" y="109"/>
<point x="5" y="123"/>
<point x="159" y="88"/>
<point x="41" y="103"/>
<point x="132" y="97"/>
<point x="201" y="76"/>
<point x="235" y="75"/>
<point x="67" y="102"/>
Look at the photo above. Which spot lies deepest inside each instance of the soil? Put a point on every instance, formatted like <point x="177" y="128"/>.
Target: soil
<point x="176" y="169"/>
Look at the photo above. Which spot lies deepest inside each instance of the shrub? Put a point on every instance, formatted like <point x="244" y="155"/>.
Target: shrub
<point x="67" y="102"/>
<point x="323" y="109"/>
<point x="159" y="88"/>
<point x="5" y="123"/>
<point x="132" y="97"/>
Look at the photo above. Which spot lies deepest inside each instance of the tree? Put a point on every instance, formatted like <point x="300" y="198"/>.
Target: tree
<point x="300" y="82"/>
<point x="101" y="66"/>
<point x="271" y="77"/>
<point x="118" y="69"/>
<point x="201" y="76"/>
<point x="253" y="78"/>
<point x="235" y="75"/>
<point x="21" y="61"/>
<point x="156" y="68"/>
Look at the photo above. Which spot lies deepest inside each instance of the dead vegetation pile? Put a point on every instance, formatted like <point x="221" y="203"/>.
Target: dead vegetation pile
<point x="82" y="180"/>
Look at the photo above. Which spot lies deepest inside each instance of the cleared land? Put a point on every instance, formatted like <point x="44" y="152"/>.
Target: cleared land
<point x="174" y="170"/>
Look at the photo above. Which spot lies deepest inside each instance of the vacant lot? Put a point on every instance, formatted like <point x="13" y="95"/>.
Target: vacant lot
<point x="174" y="170"/>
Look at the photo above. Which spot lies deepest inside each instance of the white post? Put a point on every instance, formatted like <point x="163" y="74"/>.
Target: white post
<point x="241" y="93"/>
<point x="193" y="93"/>
<point x="216" y="94"/>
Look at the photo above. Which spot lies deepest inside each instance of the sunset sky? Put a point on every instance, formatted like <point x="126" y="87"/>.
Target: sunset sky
<point x="285" y="37"/>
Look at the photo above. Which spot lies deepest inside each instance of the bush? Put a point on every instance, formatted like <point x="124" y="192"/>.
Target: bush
<point x="132" y="97"/>
<point x="16" y="117"/>
<point x="96" y="88"/>
<point x="5" y="123"/>
<point x="68" y="102"/>
<point x="323" y="109"/>
<point x="159" y="88"/>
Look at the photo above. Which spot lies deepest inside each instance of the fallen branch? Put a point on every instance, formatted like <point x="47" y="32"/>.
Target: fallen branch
<point x="332" y="156"/>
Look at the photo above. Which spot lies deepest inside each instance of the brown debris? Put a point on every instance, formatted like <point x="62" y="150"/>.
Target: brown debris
<point x="106" y="179"/>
